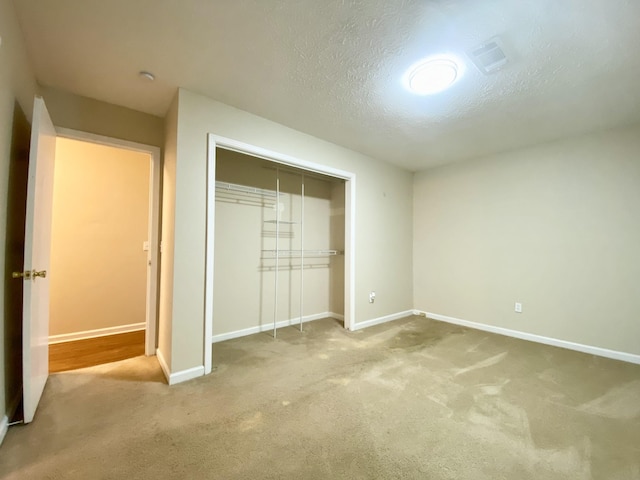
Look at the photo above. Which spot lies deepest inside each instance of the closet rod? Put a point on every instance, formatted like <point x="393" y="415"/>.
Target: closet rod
<point x="225" y="197"/>
<point x="284" y="268"/>
<point x="300" y="253"/>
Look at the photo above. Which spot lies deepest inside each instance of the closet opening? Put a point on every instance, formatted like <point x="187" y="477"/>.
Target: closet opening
<point x="279" y="236"/>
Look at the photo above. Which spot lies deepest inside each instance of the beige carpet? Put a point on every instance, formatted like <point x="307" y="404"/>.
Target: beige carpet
<point x="414" y="399"/>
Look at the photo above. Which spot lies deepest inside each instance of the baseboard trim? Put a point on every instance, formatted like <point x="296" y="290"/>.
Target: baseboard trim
<point x="221" y="337"/>
<point x="601" y="352"/>
<point x="385" y="319"/>
<point x="4" y="428"/>
<point x="99" y="332"/>
<point x="181" y="376"/>
<point x="185" y="375"/>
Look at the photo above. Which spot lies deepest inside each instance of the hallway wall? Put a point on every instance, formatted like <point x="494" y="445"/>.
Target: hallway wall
<point x="100" y="221"/>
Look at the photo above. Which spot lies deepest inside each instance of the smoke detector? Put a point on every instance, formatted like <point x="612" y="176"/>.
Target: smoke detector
<point x="489" y="57"/>
<point x="147" y="75"/>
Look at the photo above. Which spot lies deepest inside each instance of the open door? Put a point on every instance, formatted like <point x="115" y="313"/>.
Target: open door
<point x="37" y="245"/>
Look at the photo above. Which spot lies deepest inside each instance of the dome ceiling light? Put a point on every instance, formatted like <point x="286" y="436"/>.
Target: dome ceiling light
<point x="433" y="75"/>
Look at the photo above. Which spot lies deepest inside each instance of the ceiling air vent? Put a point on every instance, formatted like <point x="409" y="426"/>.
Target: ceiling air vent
<point x="489" y="57"/>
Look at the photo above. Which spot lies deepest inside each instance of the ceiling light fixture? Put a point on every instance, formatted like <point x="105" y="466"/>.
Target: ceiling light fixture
<point x="147" y="75"/>
<point x="433" y="74"/>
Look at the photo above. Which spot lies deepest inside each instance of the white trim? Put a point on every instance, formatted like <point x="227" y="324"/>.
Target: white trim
<point x="186" y="375"/>
<point x="98" y="332"/>
<point x="221" y="337"/>
<point x="153" y="257"/>
<point x="209" y="252"/>
<point x="181" y="376"/>
<point x="385" y="319"/>
<point x="601" y="352"/>
<point x="103" y="140"/>
<point x="4" y="428"/>
<point x="215" y="141"/>
<point x="350" y="254"/>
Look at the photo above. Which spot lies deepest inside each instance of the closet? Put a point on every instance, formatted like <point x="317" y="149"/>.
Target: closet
<point x="279" y="243"/>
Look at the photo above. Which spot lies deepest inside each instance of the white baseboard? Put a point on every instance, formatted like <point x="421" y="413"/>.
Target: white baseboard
<point x="99" y="332"/>
<point x="379" y="320"/>
<point x="221" y="337"/>
<point x="4" y="427"/>
<point x="181" y="376"/>
<point x="601" y="352"/>
<point x="185" y="375"/>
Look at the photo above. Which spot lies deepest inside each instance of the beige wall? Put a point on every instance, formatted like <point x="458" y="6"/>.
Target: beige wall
<point x="554" y="227"/>
<point x="17" y="82"/>
<point x="383" y="253"/>
<point x="100" y="221"/>
<point x="88" y="115"/>
<point x="244" y="278"/>
<point x="165" y="309"/>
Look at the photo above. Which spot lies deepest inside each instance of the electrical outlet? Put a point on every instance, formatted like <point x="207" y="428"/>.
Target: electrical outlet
<point x="372" y="297"/>
<point x="518" y="307"/>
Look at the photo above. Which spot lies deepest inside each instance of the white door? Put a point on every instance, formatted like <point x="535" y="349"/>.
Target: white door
<point x="37" y="245"/>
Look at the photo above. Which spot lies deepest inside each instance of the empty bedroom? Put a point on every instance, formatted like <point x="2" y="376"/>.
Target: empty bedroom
<point x="376" y="239"/>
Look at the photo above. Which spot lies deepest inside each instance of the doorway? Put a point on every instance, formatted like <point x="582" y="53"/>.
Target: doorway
<point x="103" y="260"/>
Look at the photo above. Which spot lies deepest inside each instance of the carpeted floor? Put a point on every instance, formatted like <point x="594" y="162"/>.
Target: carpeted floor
<point x="412" y="399"/>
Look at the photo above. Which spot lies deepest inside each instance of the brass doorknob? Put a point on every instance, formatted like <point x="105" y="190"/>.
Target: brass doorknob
<point x="41" y="273"/>
<point x="26" y="275"/>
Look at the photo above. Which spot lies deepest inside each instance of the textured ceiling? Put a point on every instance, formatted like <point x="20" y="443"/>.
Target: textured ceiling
<point x="334" y="68"/>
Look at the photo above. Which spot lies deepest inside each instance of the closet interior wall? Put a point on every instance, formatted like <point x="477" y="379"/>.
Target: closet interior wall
<point x="246" y="236"/>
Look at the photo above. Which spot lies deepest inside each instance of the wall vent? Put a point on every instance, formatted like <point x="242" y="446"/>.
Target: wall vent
<point x="489" y="57"/>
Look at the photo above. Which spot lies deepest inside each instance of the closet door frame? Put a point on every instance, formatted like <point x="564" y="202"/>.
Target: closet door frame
<point x="215" y="141"/>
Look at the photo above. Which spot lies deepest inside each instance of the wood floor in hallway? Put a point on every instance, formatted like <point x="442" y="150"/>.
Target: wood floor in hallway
<point x="95" y="351"/>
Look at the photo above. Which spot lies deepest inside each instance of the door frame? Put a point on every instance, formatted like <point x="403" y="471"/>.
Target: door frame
<point x="215" y="141"/>
<point x="153" y="236"/>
